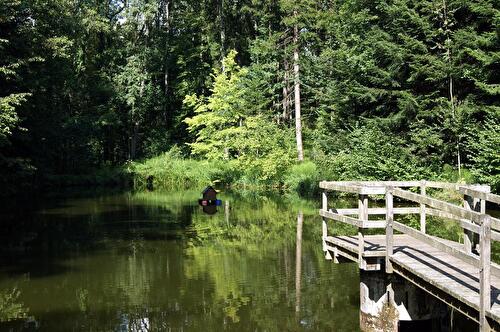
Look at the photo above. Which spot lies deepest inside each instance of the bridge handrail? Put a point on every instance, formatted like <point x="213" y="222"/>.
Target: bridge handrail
<point x="379" y="186"/>
<point x="435" y="242"/>
<point x="483" y="262"/>
<point x="487" y="196"/>
<point x="366" y="224"/>
<point x="464" y="214"/>
<point x="471" y="217"/>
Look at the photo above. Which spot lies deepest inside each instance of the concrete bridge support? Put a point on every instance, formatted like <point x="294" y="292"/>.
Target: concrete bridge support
<point x="391" y="303"/>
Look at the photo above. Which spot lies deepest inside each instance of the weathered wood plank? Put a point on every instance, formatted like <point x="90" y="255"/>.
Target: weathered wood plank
<point x="463" y="222"/>
<point x="361" y="249"/>
<point x="324" y="230"/>
<point x="352" y="221"/>
<point x="372" y="190"/>
<point x="481" y="194"/>
<point x="379" y="183"/>
<point x="484" y="272"/>
<point x="495" y="236"/>
<point x="350" y="243"/>
<point x="438" y="204"/>
<point x="349" y="188"/>
<point x="442" y="185"/>
<point x="422" y="207"/>
<point x="352" y="188"/>
<point x="324" y="227"/>
<point x="379" y="211"/>
<point x="441" y="263"/>
<point x="408" y="184"/>
<point x="389" y="231"/>
<point x="495" y="223"/>
<point x="373" y="224"/>
<point x="450" y="284"/>
<point x="363" y="216"/>
<point x="347" y="212"/>
<point x="341" y="218"/>
<point x="452" y="275"/>
<point x="343" y="253"/>
<point x="344" y="242"/>
<point x="469" y="237"/>
<point x="375" y="245"/>
<point x="432" y="241"/>
<point x="441" y="267"/>
<point x="444" y="247"/>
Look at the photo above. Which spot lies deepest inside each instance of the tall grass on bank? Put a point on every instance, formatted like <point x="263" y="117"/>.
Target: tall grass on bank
<point x="171" y="171"/>
<point x="303" y="178"/>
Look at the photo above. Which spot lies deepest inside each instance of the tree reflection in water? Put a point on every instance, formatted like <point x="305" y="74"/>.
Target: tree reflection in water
<point x="154" y="260"/>
<point x="10" y="306"/>
<point x="298" y="260"/>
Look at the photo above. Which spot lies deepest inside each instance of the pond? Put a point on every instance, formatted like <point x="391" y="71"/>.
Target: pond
<point x="154" y="261"/>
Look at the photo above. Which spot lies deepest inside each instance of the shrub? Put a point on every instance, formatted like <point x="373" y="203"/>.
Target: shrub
<point x="369" y="154"/>
<point x="486" y="154"/>
<point x="302" y="178"/>
<point x="170" y="170"/>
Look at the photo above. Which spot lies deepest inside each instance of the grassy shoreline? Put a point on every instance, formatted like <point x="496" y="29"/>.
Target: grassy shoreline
<point x="173" y="171"/>
<point x="168" y="171"/>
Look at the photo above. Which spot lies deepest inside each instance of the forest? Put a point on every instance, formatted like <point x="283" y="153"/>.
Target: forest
<point x="268" y="93"/>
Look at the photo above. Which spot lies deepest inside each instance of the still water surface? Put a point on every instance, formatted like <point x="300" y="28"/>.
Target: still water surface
<point x="154" y="262"/>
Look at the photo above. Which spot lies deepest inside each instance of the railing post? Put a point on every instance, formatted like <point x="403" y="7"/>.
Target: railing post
<point x="324" y="207"/>
<point x="482" y="202"/>
<point x="484" y="272"/>
<point x="362" y="215"/>
<point x="422" y="207"/>
<point x="389" y="229"/>
<point x="470" y="238"/>
<point x="226" y="212"/>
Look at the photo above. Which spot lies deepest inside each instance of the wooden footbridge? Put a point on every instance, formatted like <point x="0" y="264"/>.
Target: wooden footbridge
<point x="460" y="274"/>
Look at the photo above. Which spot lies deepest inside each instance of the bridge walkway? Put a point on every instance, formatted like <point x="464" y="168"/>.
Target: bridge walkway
<point x="460" y="274"/>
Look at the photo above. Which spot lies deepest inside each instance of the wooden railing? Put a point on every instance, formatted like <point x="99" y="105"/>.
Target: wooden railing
<point x="479" y="228"/>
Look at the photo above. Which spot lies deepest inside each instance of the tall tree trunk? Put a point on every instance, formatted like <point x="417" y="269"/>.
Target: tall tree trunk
<point x="285" y="90"/>
<point x="452" y="101"/>
<point x="446" y="26"/>
<point x="222" y="33"/>
<point x="298" y="120"/>
<point x="166" y="18"/>
<point x="133" y="143"/>
<point x="166" y="23"/>
<point x="298" y="261"/>
<point x="286" y="267"/>
<point x="135" y="124"/>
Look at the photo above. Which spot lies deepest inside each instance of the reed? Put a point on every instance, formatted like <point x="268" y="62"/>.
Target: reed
<point x="169" y="171"/>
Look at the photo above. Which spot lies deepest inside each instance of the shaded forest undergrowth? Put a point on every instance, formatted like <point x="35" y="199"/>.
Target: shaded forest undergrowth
<point x="172" y="170"/>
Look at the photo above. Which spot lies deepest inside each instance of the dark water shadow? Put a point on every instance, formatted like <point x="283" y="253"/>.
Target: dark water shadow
<point x="37" y="241"/>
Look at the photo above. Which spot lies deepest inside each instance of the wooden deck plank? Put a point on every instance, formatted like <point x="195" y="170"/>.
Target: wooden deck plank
<point x="450" y="275"/>
<point x="375" y="244"/>
<point x="448" y="270"/>
<point x="440" y="269"/>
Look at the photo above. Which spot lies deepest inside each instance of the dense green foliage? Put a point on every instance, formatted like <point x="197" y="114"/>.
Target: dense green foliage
<point x="171" y="170"/>
<point x="10" y="308"/>
<point x="390" y="89"/>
